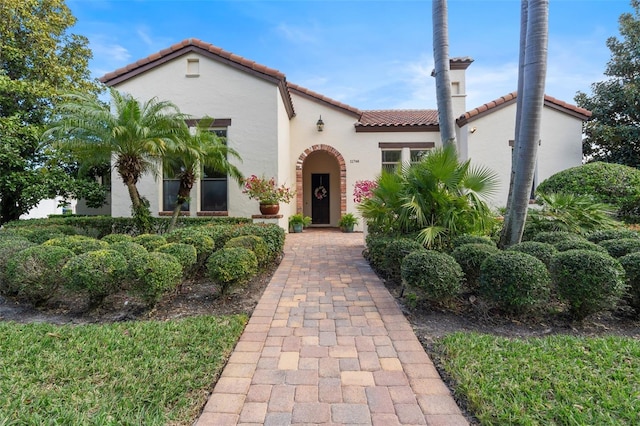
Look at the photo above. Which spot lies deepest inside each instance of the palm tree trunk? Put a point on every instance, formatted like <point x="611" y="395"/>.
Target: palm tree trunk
<point x="535" y="70"/>
<point x="134" y="195"/>
<point x="186" y="183"/>
<point x="442" y="67"/>
<point x="524" y="5"/>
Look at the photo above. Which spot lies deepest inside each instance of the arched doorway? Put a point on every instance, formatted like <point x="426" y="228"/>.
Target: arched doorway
<point x="315" y="167"/>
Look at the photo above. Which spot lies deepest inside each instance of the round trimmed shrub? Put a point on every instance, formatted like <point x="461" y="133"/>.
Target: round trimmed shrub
<point x="553" y="237"/>
<point x="515" y="281"/>
<point x="154" y="274"/>
<point x="198" y="237"/>
<point x="612" y="234"/>
<point x="185" y="254"/>
<point x="8" y="247"/>
<point x="621" y="247"/>
<point x="150" y="241"/>
<point x="394" y="253"/>
<point x="432" y="275"/>
<point x="376" y="247"/>
<point x="272" y="234"/>
<point x="589" y="281"/>
<point x="461" y="240"/>
<point x="117" y="238"/>
<point x="98" y="272"/>
<point x="219" y="233"/>
<point x="34" y="273"/>
<point x="78" y="243"/>
<point x="615" y="184"/>
<point x="577" y="244"/>
<point x="470" y="258"/>
<point x="128" y="249"/>
<point x="254" y="243"/>
<point x="541" y="251"/>
<point x="631" y="265"/>
<point x="230" y="266"/>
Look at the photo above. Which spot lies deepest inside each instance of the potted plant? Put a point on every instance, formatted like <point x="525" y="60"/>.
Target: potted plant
<point x="267" y="192"/>
<point x="347" y="222"/>
<point x="299" y="221"/>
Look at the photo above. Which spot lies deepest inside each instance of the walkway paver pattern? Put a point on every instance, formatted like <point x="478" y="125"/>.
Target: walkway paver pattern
<point x="327" y="344"/>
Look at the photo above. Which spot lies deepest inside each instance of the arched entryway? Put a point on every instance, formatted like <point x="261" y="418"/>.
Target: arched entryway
<point x="315" y="166"/>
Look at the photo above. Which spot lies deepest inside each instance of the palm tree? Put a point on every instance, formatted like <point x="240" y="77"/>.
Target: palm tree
<point x="446" y="119"/>
<point x="135" y="135"/>
<point x="437" y="198"/>
<point x="534" y="74"/>
<point x="195" y="152"/>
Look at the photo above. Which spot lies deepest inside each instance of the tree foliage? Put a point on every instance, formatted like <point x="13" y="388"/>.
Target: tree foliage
<point x="613" y="133"/>
<point x="39" y="60"/>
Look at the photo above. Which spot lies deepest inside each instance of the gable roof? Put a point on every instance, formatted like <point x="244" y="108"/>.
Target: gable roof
<point x="206" y="49"/>
<point x="323" y="99"/>
<point x="511" y="98"/>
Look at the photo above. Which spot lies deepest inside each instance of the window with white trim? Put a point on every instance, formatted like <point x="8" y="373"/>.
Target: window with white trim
<point x="391" y="159"/>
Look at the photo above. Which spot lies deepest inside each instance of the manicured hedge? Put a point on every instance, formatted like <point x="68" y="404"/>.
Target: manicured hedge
<point x="432" y="275"/>
<point x="98" y="272"/>
<point x="232" y="266"/>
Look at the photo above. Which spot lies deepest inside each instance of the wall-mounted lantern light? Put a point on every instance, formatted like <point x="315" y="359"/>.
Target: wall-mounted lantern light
<point x="320" y="124"/>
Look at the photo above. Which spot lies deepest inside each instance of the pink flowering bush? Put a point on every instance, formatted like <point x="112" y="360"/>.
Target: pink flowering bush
<point x="266" y="190"/>
<point x="363" y="189"/>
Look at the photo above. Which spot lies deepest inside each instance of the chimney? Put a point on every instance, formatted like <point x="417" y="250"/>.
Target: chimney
<point x="458" y="67"/>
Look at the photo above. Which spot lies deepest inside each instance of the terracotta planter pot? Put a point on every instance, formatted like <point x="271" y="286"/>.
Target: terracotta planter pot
<point x="269" y="209"/>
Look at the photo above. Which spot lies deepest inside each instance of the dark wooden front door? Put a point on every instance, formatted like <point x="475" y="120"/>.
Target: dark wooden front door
<point x="320" y="198"/>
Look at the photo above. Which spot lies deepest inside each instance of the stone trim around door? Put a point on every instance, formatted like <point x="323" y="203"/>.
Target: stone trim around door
<point x="343" y="175"/>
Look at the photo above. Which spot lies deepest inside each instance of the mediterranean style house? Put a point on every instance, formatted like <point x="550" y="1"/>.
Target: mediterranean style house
<point x="315" y="144"/>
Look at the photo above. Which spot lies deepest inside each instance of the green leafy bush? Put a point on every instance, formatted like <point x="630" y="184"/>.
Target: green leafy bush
<point x="199" y="237"/>
<point x="185" y="254"/>
<point x="470" y="258"/>
<point x="231" y="266"/>
<point x="254" y="243"/>
<point x="154" y="274"/>
<point x="272" y="234"/>
<point x="576" y="244"/>
<point x="432" y="275"/>
<point x="376" y="248"/>
<point x="621" y="247"/>
<point x="472" y="239"/>
<point x="573" y="213"/>
<point x="128" y="249"/>
<point x="609" y="183"/>
<point x="394" y="253"/>
<point x="516" y="281"/>
<point x="589" y="281"/>
<point x="612" y="234"/>
<point x="553" y="237"/>
<point x="219" y="233"/>
<point x="631" y="265"/>
<point x="97" y="272"/>
<point x="34" y="273"/>
<point x="9" y="247"/>
<point x="117" y="238"/>
<point x="541" y="251"/>
<point x="150" y="241"/>
<point x="78" y="243"/>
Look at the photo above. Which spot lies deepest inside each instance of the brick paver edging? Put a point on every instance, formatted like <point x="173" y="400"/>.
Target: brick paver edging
<point x="327" y="344"/>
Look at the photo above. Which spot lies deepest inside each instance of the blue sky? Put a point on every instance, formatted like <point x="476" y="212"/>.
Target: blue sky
<point x="370" y="54"/>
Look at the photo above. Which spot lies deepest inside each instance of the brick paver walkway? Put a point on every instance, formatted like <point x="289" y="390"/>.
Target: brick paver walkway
<point x="327" y="344"/>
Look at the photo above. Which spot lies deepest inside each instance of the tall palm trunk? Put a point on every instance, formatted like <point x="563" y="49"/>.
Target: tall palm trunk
<point x="535" y="70"/>
<point x="524" y="4"/>
<point x="186" y="183"/>
<point x="442" y="67"/>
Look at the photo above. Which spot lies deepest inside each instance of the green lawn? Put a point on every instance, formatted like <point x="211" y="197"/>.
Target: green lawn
<point x="133" y="373"/>
<point x="557" y="380"/>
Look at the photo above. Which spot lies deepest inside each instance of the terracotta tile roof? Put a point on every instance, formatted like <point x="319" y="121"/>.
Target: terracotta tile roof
<point x="189" y="45"/>
<point x="511" y="98"/>
<point x="317" y="96"/>
<point x="398" y="118"/>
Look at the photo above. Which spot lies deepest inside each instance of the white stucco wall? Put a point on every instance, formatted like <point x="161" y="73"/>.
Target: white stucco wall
<point x="219" y="91"/>
<point x="488" y="144"/>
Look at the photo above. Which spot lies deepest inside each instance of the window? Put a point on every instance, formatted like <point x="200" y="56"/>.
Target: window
<point x="416" y="155"/>
<point x="391" y="159"/>
<point x="193" y="67"/>
<point x="213" y="186"/>
<point x="170" y="186"/>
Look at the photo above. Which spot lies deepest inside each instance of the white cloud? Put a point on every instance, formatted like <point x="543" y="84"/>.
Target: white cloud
<point x="109" y="52"/>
